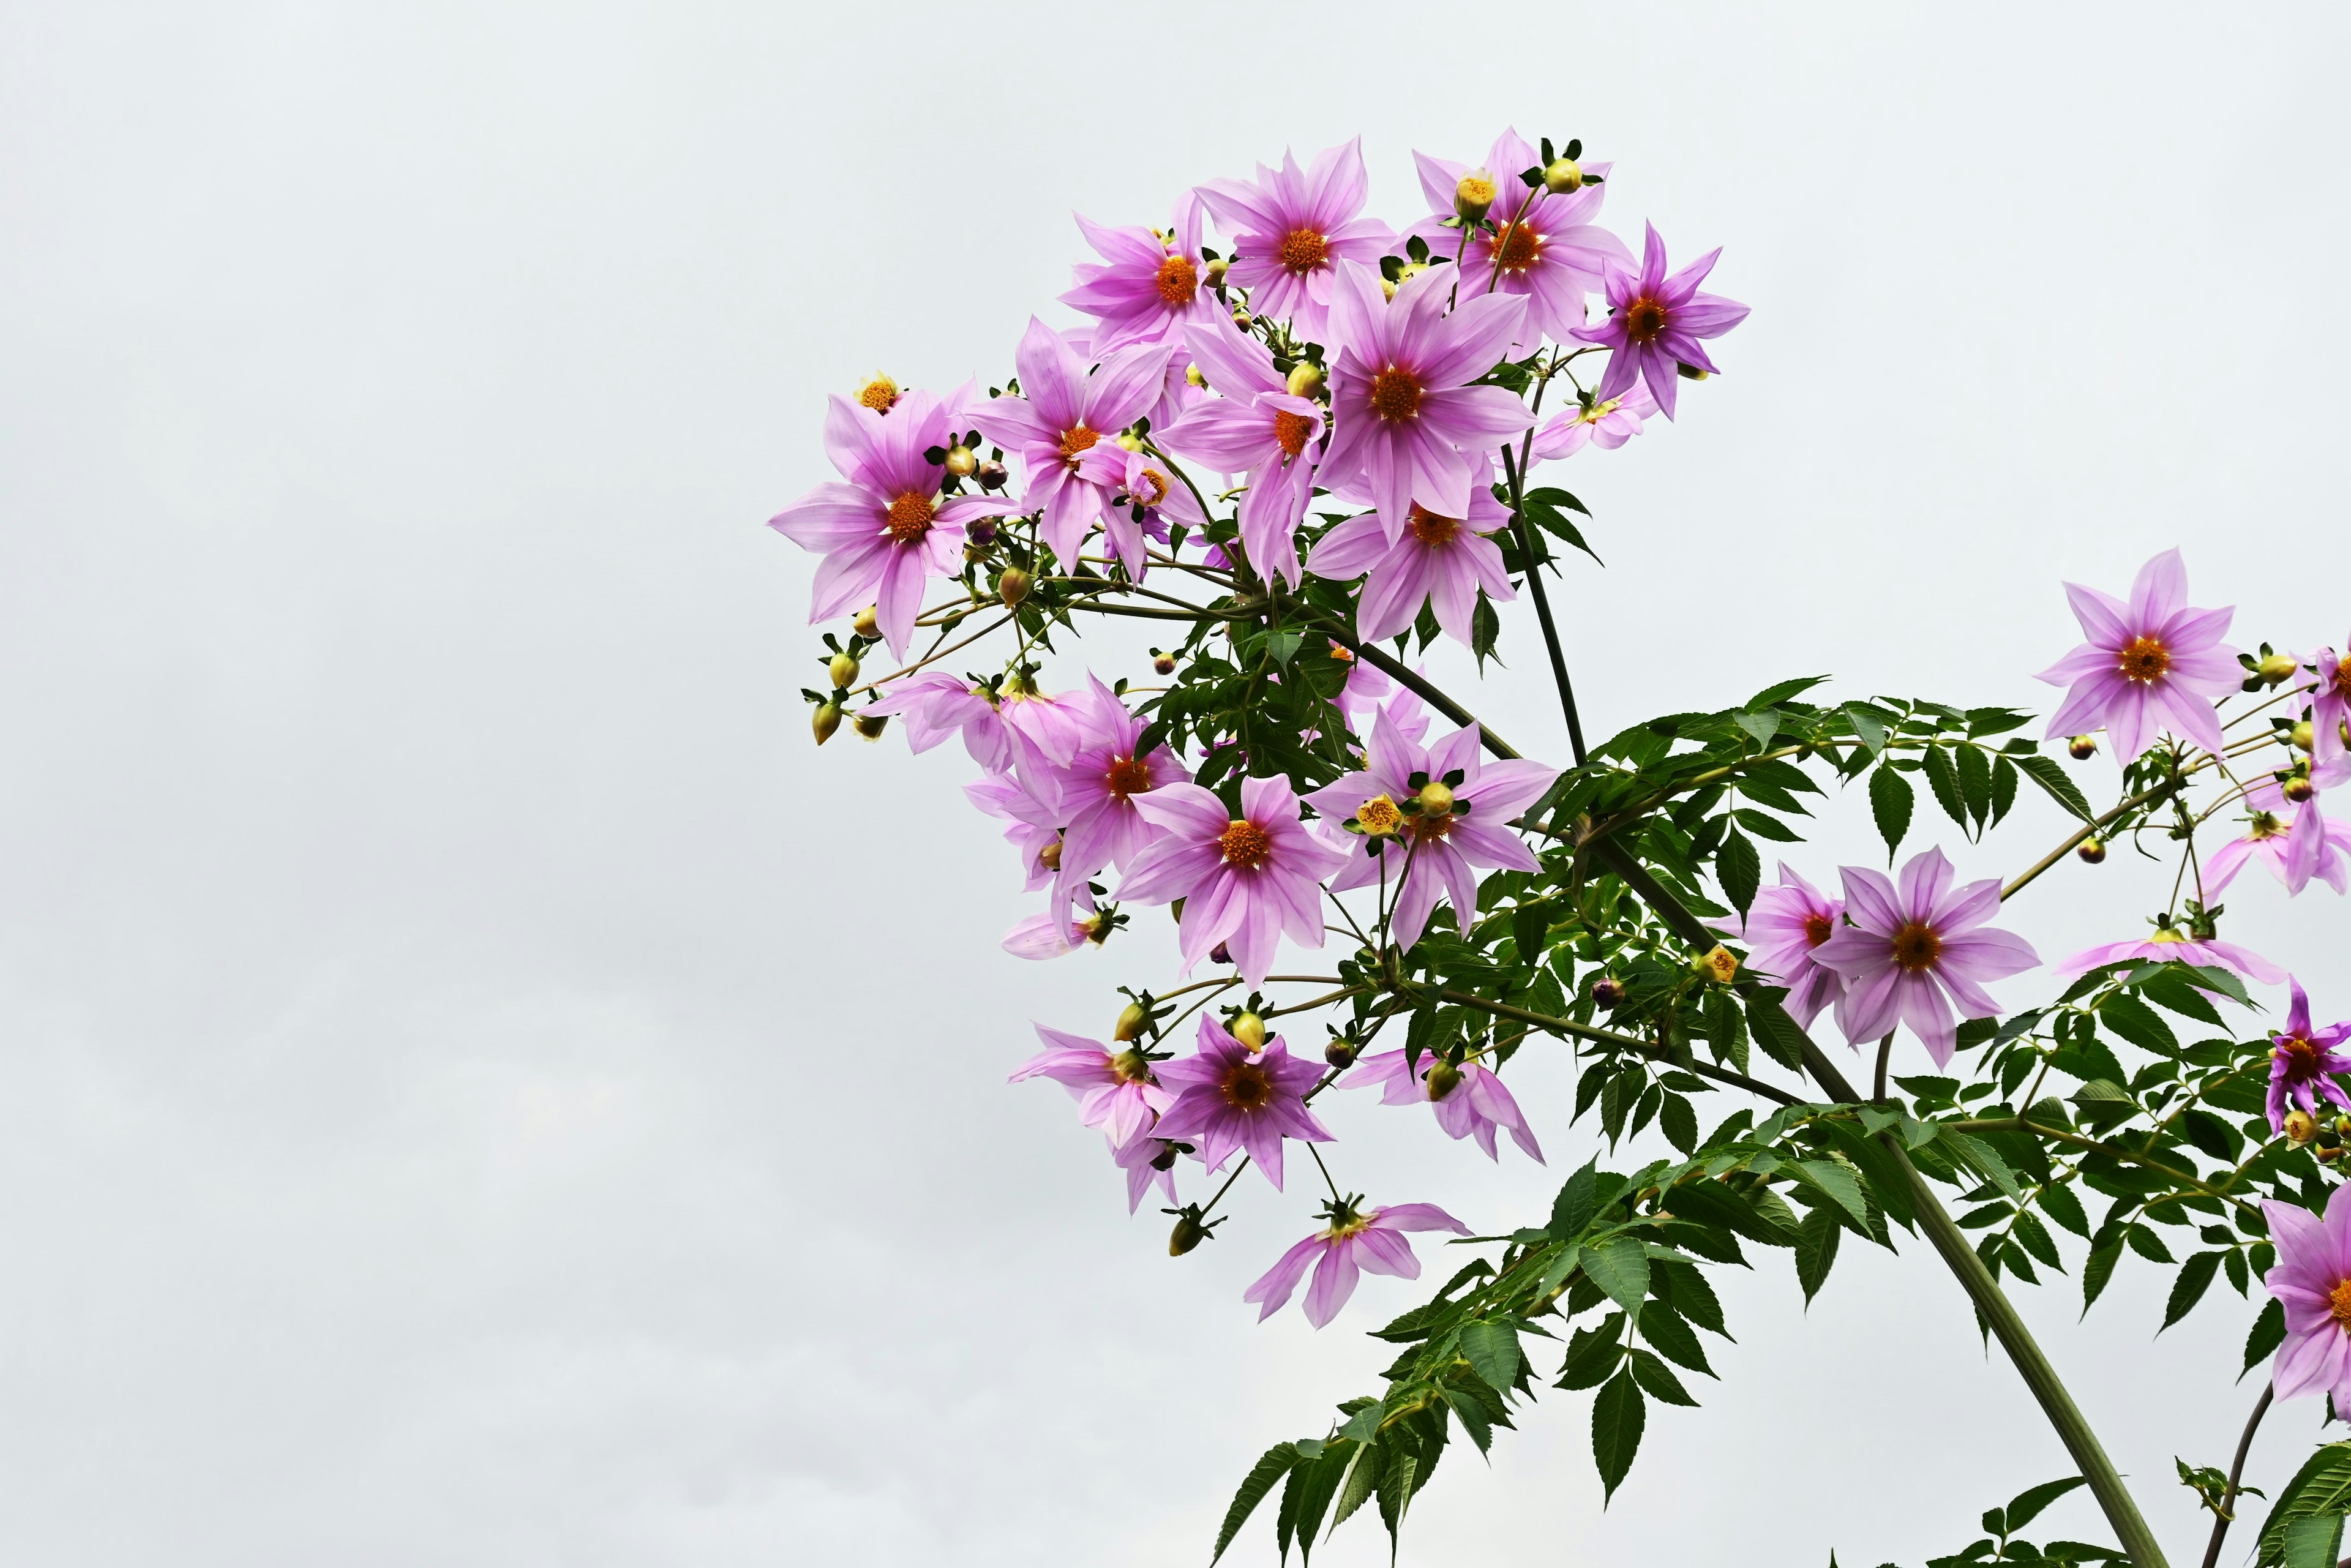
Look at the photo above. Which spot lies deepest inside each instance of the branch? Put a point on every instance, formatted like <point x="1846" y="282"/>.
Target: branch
<point x="1624" y="1042"/>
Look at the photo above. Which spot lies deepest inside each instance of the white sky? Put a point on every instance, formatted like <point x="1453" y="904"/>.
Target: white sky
<point x="477" y="1087"/>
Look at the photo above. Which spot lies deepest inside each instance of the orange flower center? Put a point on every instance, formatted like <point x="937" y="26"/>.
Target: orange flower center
<point x="2338" y="1302"/>
<point x="1522" y="247"/>
<point x="1429" y="825"/>
<point x="2341" y="680"/>
<point x="880" y="394"/>
<point x="1245" y="1086"/>
<point x="2301" y="1057"/>
<point x="1178" y="281"/>
<point x="1378" y="815"/>
<point x="1291" y="431"/>
<point x="1645" y="318"/>
<point x="910" y="517"/>
<point x="2144" y="660"/>
<point x="1916" y="947"/>
<point x="1395" y="395"/>
<point x="1431" y="530"/>
<point x="1304" y="250"/>
<point x="1127" y="776"/>
<point x="1245" y="844"/>
<point x="1818" y="928"/>
<point x="1076" y="441"/>
<point x="1149" y="490"/>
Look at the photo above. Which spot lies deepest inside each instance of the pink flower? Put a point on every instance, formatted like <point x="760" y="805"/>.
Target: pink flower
<point x="1785" y="929"/>
<point x="1438" y="562"/>
<point x="1228" y="1097"/>
<point x="1458" y="821"/>
<point x="1250" y="425"/>
<point x="1291" y="227"/>
<point x="936" y="705"/>
<point x="2170" y="945"/>
<point x="1655" y="323"/>
<point x="1036" y="822"/>
<point x="1244" y="880"/>
<point x="886" y="531"/>
<point x="1405" y="416"/>
<point x="2153" y="661"/>
<point x="2330" y="705"/>
<point x="2303" y="1062"/>
<point x="1368" y="692"/>
<point x="1354" y="1243"/>
<point x="1114" y="1089"/>
<point x="1096" y="790"/>
<point x="1062" y="413"/>
<point x="1610" y="423"/>
<point x="2313" y="1282"/>
<point x="1912" y="951"/>
<point x="1148" y="1163"/>
<point x="1144" y="496"/>
<point x="2277" y="828"/>
<point x="1069" y="924"/>
<point x="1550" y="251"/>
<point x="1153" y="285"/>
<point x="1471" y="1104"/>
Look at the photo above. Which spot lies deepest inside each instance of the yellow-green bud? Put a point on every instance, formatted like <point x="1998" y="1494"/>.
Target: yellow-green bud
<point x="1305" y="379"/>
<point x="2305" y="737"/>
<point x="1435" y="798"/>
<point x="1443" y="1080"/>
<point x="1133" y="1020"/>
<point x="1341" y="1052"/>
<point x="1188" y="1233"/>
<point x="962" y="462"/>
<point x="824" y="721"/>
<point x="843" y="671"/>
<point x="870" y="726"/>
<point x="2301" y="1126"/>
<point x="2298" y="789"/>
<point x="868" y="623"/>
<point x="1217" y="272"/>
<point x="1473" y="194"/>
<point x="1249" y="1029"/>
<point x="1562" y="177"/>
<point x="1164" y="663"/>
<point x="2092" y="852"/>
<point x="2277" y="667"/>
<point x="1243" y="319"/>
<point x="1130" y="442"/>
<point x="1192" y="375"/>
<point x="2082" y="747"/>
<point x="1049" y="857"/>
<point x="1012" y="586"/>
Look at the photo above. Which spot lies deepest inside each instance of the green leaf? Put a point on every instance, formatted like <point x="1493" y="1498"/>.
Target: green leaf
<point x="1890" y="802"/>
<point x="1282" y="645"/>
<point x="2036" y="1239"/>
<point x="1866" y="727"/>
<point x="1975" y="782"/>
<point x="2062" y="1205"/>
<point x="1816" y="1250"/>
<point x="2315" y="1542"/>
<point x="1571" y="1211"/>
<point x="1673" y="1338"/>
<point x="1492" y="1349"/>
<point x="1658" y="1379"/>
<point x="2195" y="1277"/>
<point x="1943" y="779"/>
<point x="2169" y="988"/>
<point x="1762" y="726"/>
<point x="1317" y="1482"/>
<point x="1275" y="1464"/>
<point x="1484" y="627"/>
<point x="2045" y="772"/>
<point x="1678" y="1121"/>
<point x="2138" y="1023"/>
<point x="2321" y="1490"/>
<point x="1621" y="1268"/>
<point x="1838" y="1183"/>
<point x="1738" y="868"/>
<point x="2003" y="786"/>
<point x="2026" y="1506"/>
<point x="1984" y="1157"/>
<point x="2268" y="1333"/>
<point x="1617" y="1418"/>
<point x="2096" y="1269"/>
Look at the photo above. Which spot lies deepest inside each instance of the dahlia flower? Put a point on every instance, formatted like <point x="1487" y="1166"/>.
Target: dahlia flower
<point x="936" y="705"/>
<point x="1095" y="792"/>
<point x="2170" y="945"/>
<point x="1036" y="822"/>
<point x="2303" y="1062"/>
<point x="2313" y="1282"/>
<point x="1228" y="1097"/>
<point x="1784" y="930"/>
<point x="1655" y="322"/>
<point x="1438" y="562"/>
<point x="1060" y="930"/>
<point x="1471" y="1104"/>
<point x="885" y="530"/>
<point x="1148" y="1163"/>
<point x="2330" y="705"/>
<point x="1244" y="880"/>
<point x="1145" y="497"/>
<point x="1060" y="414"/>
<point x="1911" y="951"/>
<point x="1250" y="425"/>
<point x="1114" y="1089"/>
<point x="1549" y="249"/>
<point x="1609" y="423"/>
<point x="1152" y="285"/>
<point x="1354" y="1243"/>
<point x="2272" y="836"/>
<point x="1291" y="227"/>
<point x="2147" y="662"/>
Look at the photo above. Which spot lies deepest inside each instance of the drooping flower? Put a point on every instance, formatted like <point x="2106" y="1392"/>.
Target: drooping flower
<point x="1148" y="1161"/>
<point x="1291" y="227"/>
<point x="1244" y="880"/>
<point x="2310" y="844"/>
<point x="1655" y="323"/>
<point x="1543" y="244"/>
<point x="1036" y="819"/>
<point x="1045" y="727"/>
<point x="1150" y="284"/>
<point x="1096" y="790"/>
<point x="1406" y="420"/>
<point x="1064" y="928"/>
<point x="2303" y="1062"/>
<point x="885" y="530"/>
<point x="2313" y="1282"/>
<point x="1115" y="1090"/>
<point x="1250" y="425"/>
<point x="1438" y="562"/>
<point x="2173" y="944"/>
<point x="1229" y="1097"/>
<point x="1145" y="497"/>
<point x="1911" y="951"/>
<point x="1060" y="414"/>
<point x="2271" y="838"/>
<point x="2330" y="707"/>
<point x="1608" y="422"/>
<point x="2153" y="662"/>
<point x="1369" y="691"/>
<point x="1431" y="816"/>
<point x="1468" y="1099"/>
<point x="1785" y="929"/>
<point x="1354" y="1242"/>
<point x="935" y="704"/>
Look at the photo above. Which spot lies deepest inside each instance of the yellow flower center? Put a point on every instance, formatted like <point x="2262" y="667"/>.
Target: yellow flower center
<point x="1150" y="490"/>
<point x="878" y="395"/>
<point x="910" y="517"/>
<point x="2144" y="660"/>
<point x="2169" y="934"/>
<point x="2338" y="1302"/>
<point x="1078" y="440"/>
<point x="1291" y="430"/>
<point x="1431" y="530"/>
<point x="1520" y="248"/>
<point x="1304" y="250"/>
<point x="1916" y="947"/>
<point x="2341" y="679"/>
<point x="2266" y="826"/>
<point x="2300" y="1056"/>
<point x="1378" y="816"/>
<point x="1645" y="318"/>
<point x="1599" y="411"/>
<point x="1245" y="844"/>
<point x="1395" y="395"/>
<point x="1178" y="281"/>
<point x="1245" y="1086"/>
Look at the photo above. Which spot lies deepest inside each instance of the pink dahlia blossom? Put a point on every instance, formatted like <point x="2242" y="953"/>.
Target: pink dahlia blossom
<point x="1608" y="422"/>
<point x="1066" y="928"/>
<point x="1356" y="1242"/>
<point x="1911" y="951"/>
<point x="1151" y="285"/>
<point x="1547" y="245"/>
<point x="1291" y="227"/>
<point x="2152" y="661"/>
<point x="1228" y="1097"/>
<point x="1472" y="1105"/>
<point x="1060" y="414"/>
<point x="2303" y="1062"/>
<point x="2310" y="845"/>
<point x="936" y="705"/>
<point x="1244" y="880"/>
<point x="2170" y="945"/>
<point x="1250" y="425"/>
<point x="1438" y="562"/>
<point x="1369" y="693"/>
<point x="1114" y="1089"/>
<point x="2271" y="838"/>
<point x="2313" y="1282"/>
<point x="1045" y="729"/>
<point x="1036" y="822"/>
<point x="1459" y="821"/>
<point x="885" y="530"/>
<point x="1148" y="1163"/>
<point x="1655" y="322"/>
<point x="1144" y="498"/>
<point x="1785" y="930"/>
<point x="1406" y="418"/>
<point x="1096" y="790"/>
<point x="2330" y="707"/>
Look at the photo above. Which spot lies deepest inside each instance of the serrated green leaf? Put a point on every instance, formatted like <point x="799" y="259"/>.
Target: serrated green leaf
<point x="1492" y="1349"/>
<point x="1275" y="1464"/>
<point x="2315" y="1542"/>
<point x="1620" y="1268"/>
<point x="2195" y="1277"/>
<point x="2267" y="1334"/>
<point x="2003" y="788"/>
<point x="1672" y="1337"/>
<point x="1658" y="1379"/>
<point x="2026" y="1506"/>
<point x="1975" y="782"/>
<point x="2045" y="772"/>
<point x="2138" y="1023"/>
<point x="1816" y="1250"/>
<point x="1866" y="727"/>
<point x="1891" y="801"/>
<point x="1618" y="1415"/>
<point x="1838" y="1183"/>
<point x="2096" y="1270"/>
<point x="1738" y="868"/>
<point x="1943" y="781"/>
<point x="1571" y="1211"/>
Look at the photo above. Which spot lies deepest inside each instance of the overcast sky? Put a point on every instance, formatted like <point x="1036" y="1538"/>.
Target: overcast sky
<point x="478" y="1088"/>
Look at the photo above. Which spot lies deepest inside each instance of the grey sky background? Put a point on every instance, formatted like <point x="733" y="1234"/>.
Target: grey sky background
<point x="477" y="1087"/>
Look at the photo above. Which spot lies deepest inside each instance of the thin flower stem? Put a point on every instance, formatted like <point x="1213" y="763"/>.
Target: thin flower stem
<point x="1623" y="1042"/>
<point x="933" y="656"/>
<point x="2221" y="1517"/>
<point x="2170" y="786"/>
<point x="1519" y="525"/>
<point x="2186" y="1179"/>
<point x="1210" y="1206"/>
<point x="1326" y="1173"/>
<point x="1318" y="1002"/>
<point x="1884" y="1050"/>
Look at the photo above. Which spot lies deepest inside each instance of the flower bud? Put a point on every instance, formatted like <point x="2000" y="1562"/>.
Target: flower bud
<point x="1165" y="1160"/>
<point x="824" y="721"/>
<point x="2092" y="852"/>
<point x="1193" y="377"/>
<point x="1608" y="991"/>
<point x="843" y="671"/>
<point x="1219" y="954"/>
<point x="1341" y="1052"/>
<point x="1188" y="1233"/>
<point x="2298" y="789"/>
<point x="879" y="393"/>
<point x="2299" y="1127"/>
<point x="2329" y="1154"/>
<point x="1012" y="587"/>
<point x="2082" y="747"/>
<point x="1164" y="663"/>
<point x="870" y="726"/>
<point x="1249" y="1029"/>
<point x="991" y="477"/>
<point x="980" y="531"/>
<point x="1129" y="442"/>
<point x="2278" y="667"/>
<point x="1691" y="372"/>
<point x="1473" y="194"/>
<point x="1435" y="798"/>
<point x="2305" y="737"/>
<point x="1305" y="379"/>
<point x="1049" y="857"/>
<point x="868" y="623"/>
<point x="1243" y="319"/>
<point x="1717" y="964"/>
<point x="1133" y="1020"/>
<point x="1562" y="177"/>
<point x="1387" y="288"/>
<point x="1217" y="267"/>
<point x="1443" y="1080"/>
<point x="962" y="461"/>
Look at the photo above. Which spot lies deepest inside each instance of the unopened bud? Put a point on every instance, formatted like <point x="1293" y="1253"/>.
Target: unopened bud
<point x="824" y="721"/>
<point x="1608" y="991"/>
<point x="2092" y="852"/>
<point x="1217" y="269"/>
<point x="2277" y="667"/>
<point x="868" y="623"/>
<point x="870" y="726"/>
<point x="962" y="462"/>
<point x="1193" y="376"/>
<point x="1049" y="857"/>
<point x="879" y="393"/>
<point x="980" y="531"/>
<point x="2301" y="1126"/>
<point x="1443" y="1080"/>
<point x="1435" y="798"/>
<point x="1473" y="194"/>
<point x="2298" y="789"/>
<point x="1243" y="319"/>
<point x="2082" y="747"/>
<point x="1387" y="288"/>
<point x="1133" y="1020"/>
<point x="1562" y="177"/>
<point x="1220" y="953"/>
<point x="992" y="476"/>
<point x="1717" y="964"/>
<point x="1129" y="442"/>
<point x="1249" y="1029"/>
<point x="1164" y="663"/>
<point x="843" y="671"/>
<point x="2305" y="737"/>
<point x="1188" y="1233"/>
<point x="1012" y="586"/>
<point x="1341" y="1052"/>
<point x="1165" y="1160"/>
<point x="1305" y="379"/>
<point x="1690" y="372"/>
<point x="2329" y="1152"/>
